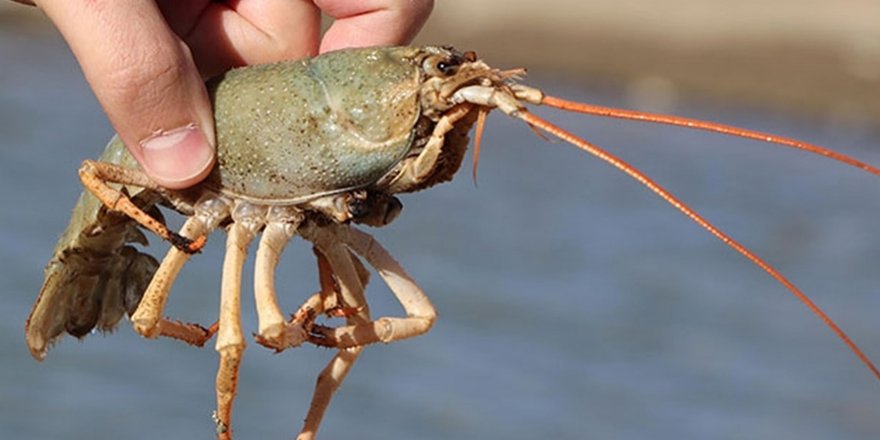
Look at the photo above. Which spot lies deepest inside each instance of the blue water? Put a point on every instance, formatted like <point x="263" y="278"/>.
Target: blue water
<point x="573" y="304"/>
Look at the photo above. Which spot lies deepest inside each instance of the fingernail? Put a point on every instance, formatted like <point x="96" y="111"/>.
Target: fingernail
<point x="175" y="158"/>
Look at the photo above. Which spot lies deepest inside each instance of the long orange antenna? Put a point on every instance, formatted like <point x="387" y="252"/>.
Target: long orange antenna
<point x="611" y="112"/>
<point x="639" y="176"/>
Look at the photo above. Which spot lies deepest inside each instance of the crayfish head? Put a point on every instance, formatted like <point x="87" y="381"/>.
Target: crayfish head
<point x="446" y="72"/>
<point x="456" y="91"/>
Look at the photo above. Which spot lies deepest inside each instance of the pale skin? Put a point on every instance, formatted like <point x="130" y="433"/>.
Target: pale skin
<point x="146" y="60"/>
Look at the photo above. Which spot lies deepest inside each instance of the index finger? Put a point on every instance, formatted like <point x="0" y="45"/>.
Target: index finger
<point x="372" y="22"/>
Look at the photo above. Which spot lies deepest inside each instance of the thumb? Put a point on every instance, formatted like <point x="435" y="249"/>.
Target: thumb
<point x="145" y="79"/>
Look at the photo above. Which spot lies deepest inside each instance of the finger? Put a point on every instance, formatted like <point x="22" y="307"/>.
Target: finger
<point x="372" y="22"/>
<point x="243" y="32"/>
<point x="144" y="77"/>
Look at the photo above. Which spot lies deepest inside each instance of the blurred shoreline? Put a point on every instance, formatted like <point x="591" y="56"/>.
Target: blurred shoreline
<point x="810" y="57"/>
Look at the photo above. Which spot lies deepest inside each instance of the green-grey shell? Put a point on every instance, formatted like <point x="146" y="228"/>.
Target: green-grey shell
<point x="293" y="131"/>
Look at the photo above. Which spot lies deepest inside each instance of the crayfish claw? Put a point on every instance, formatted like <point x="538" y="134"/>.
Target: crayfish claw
<point x="322" y="336"/>
<point x="290" y="334"/>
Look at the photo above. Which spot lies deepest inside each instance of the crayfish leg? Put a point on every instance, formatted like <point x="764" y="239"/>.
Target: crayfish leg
<point x="420" y="313"/>
<point x="274" y="331"/>
<point x="95" y="177"/>
<point x="230" y="339"/>
<point x="191" y="333"/>
<point x="342" y="279"/>
<point x="147" y="318"/>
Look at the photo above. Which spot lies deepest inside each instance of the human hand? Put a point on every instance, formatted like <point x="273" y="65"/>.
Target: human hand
<point x="146" y="60"/>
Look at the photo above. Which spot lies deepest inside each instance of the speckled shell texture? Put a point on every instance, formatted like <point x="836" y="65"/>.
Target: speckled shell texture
<point x="294" y="131"/>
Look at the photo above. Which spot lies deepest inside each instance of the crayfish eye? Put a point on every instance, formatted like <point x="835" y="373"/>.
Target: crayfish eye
<point x="446" y="67"/>
<point x="441" y="66"/>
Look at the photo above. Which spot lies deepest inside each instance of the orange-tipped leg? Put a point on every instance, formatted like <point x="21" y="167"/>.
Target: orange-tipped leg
<point x="192" y="334"/>
<point x="95" y="177"/>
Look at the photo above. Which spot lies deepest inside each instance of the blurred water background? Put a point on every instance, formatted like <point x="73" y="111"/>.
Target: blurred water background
<point x="573" y="304"/>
